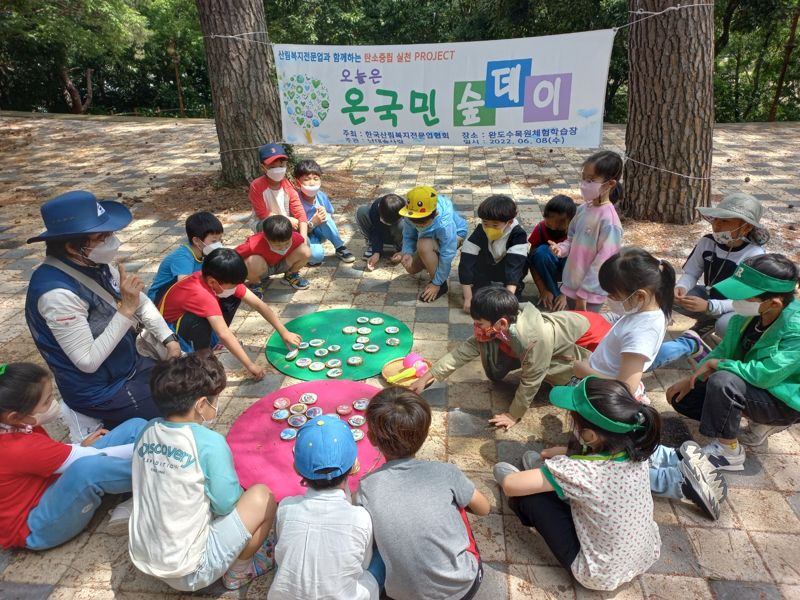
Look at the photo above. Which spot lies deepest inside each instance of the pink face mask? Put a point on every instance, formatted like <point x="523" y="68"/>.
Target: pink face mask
<point x="590" y="190"/>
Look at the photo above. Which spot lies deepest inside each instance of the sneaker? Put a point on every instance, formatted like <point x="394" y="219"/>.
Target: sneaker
<point x="262" y="562"/>
<point x="757" y="433"/>
<point x="702" y="483"/>
<point x="367" y="254"/>
<point x="295" y="280"/>
<point x="531" y="460"/>
<point x="502" y="470"/>
<point x="701" y="351"/>
<point x="257" y="290"/>
<point x="344" y="255"/>
<point x="120" y="515"/>
<point x="724" y="458"/>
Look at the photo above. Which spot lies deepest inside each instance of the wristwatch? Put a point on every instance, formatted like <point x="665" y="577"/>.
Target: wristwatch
<point x="171" y="338"/>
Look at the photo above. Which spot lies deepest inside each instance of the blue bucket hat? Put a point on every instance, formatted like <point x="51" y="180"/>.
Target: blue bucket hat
<point x="269" y="153"/>
<point x="79" y="213"/>
<point x="324" y="448"/>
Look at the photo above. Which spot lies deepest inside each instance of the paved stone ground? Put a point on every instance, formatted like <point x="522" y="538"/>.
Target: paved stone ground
<point x="749" y="553"/>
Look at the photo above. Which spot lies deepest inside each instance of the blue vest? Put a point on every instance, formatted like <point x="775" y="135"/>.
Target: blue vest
<point x="79" y="389"/>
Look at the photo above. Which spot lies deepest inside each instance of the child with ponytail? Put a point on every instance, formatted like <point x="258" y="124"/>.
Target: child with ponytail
<point x="605" y="535"/>
<point x="51" y="490"/>
<point x="640" y="296"/>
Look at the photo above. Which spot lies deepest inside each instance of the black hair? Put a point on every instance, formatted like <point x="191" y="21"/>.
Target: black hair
<point x="424" y="219"/>
<point x="178" y="382"/>
<point x="494" y="303"/>
<point x="307" y="167"/>
<point x="201" y="224"/>
<point x="497" y="208"/>
<point x="277" y="228"/>
<point x="389" y="208"/>
<point x="58" y="248"/>
<point x="633" y="269"/>
<point x="21" y="387"/>
<point x="779" y="267"/>
<point x="560" y="205"/>
<point x="609" y="165"/>
<point x="225" y="265"/>
<point x="614" y="400"/>
<point x="325" y="484"/>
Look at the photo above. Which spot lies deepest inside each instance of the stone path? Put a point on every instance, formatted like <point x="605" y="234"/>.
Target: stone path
<point x="749" y="553"/>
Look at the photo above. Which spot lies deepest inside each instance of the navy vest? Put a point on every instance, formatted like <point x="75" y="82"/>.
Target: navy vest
<point x="80" y="389"/>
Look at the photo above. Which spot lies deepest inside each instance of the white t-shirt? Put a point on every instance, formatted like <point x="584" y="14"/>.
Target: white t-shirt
<point x="324" y="547"/>
<point x="612" y="509"/>
<point x="275" y="201"/>
<point x="637" y="333"/>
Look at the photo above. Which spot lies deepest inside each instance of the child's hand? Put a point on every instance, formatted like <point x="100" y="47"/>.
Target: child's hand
<point x="505" y="420"/>
<point x="430" y="292"/>
<point x="679" y="389"/>
<point x="256" y="372"/>
<point x="559" y="303"/>
<point x="372" y="261"/>
<point x="554" y="248"/>
<point x="419" y="385"/>
<point x="90" y="439"/>
<point x="680" y="293"/>
<point x="292" y="340"/>
<point x="467" y="304"/>
<point x="396" y="257"/>
<point x="694" y="304"/>
<point x="554" y="451"/>
<point x="320" y="216"/>
<point x="581" y="368"/>
<point x="406" y="260"/>
<point x="546" y="299"/>
<point x="706" y="369"/>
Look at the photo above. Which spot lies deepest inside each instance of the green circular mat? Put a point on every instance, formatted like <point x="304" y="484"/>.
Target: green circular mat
<point x="327" y="325"/>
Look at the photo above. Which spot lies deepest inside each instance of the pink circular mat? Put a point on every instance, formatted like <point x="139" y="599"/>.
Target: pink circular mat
<point x="261" y="456"/>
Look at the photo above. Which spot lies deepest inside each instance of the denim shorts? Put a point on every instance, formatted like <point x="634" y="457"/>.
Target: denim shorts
<point x="227" y="537"/>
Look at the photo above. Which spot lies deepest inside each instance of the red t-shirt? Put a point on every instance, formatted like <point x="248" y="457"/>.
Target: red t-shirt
<point x="539" y="236"/>
<point x="260" y="185"/>
<point x="257" y="244"/>
<point x="27" y="469"/>
<point x="598" y="328"/>
<point x="193" y="295"/>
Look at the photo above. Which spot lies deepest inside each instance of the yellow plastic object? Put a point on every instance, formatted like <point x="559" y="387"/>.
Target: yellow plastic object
<point x="420" y="202"/>
<point x="394" y="367"/>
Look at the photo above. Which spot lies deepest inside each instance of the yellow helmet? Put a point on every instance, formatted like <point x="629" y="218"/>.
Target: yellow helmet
<point x="420" y="202"/>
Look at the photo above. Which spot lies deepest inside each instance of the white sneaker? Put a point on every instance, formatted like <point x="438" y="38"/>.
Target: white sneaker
<point x="120" y="515"/>
<point x="502" y="470"/>
<point x="724" y="458"/>
<point x="757" y="433"/>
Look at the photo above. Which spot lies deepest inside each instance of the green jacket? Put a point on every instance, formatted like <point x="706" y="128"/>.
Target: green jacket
<point x="544" y="343"/>
<point x="773" y="363"/>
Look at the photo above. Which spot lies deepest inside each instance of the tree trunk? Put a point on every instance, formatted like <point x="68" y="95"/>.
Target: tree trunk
<point x="72" y="95"/>
<point x="246" y="104"/>
<point x="670" y="112"/>
<point x="171" y="50"/>
<point x="787" y="55"/>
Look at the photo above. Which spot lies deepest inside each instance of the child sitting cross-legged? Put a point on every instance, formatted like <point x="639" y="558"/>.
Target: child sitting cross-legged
<point x="191" y="522"/>
<point x="202" y="306"/>
<point x="605" y="535"/>
<point x="418" y="506"/>
<point x="323" y="543"/>
<point x="495" y="253"/>
<point x="52" y="490"/>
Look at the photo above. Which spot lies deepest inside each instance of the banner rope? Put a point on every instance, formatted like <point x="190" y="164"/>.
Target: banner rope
<point x="651" y="14"/>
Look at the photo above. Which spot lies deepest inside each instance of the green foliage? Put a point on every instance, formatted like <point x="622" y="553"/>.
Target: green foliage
<point x="134" y="45"/>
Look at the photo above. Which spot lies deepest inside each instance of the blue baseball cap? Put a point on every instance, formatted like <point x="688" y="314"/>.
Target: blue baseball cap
<point x="269" y="153"/>
<point x="79" y="213"/>
<point x="324" y="448"/>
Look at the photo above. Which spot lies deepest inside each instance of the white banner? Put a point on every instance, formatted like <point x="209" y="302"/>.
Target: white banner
<point x="544" y="91"/>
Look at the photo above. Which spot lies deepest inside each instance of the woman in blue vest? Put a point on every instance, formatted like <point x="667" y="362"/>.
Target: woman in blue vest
<point x="83" y="313"/>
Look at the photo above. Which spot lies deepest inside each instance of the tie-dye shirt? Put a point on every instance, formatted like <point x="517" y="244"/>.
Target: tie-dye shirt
<point x="594" y="235"/>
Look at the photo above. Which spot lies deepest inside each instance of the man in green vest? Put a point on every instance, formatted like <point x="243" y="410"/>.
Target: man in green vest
<point x="755" y="370"/>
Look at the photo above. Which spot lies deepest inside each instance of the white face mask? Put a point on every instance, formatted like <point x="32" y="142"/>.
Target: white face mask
<point x="726" y="237"/>
<point x="276" y="173"/>
<point x="52" y="413"/>
<point x="209" y="248"/>
<point x="590" y="190"/>
<point x="280" y="251"/>
<point x="226" y="293"/>
<point x="105" y="252"/>
<point x="310" y="190"/>
<point x="745" y="308"/>
<point x="618" y="306"/>
<point x="207" y="422"/>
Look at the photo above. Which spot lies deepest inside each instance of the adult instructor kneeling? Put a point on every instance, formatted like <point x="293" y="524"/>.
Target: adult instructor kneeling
<point x="83" y="314"/>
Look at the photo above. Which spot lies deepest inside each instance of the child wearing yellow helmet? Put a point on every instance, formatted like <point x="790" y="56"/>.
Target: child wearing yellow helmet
<point x="432" y="232"/>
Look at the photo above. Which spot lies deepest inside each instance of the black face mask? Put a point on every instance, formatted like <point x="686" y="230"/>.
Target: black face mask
<point x="554" y="233"/>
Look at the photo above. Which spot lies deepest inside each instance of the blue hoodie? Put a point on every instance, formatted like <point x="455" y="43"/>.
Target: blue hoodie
<point x="446" y="228"/>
